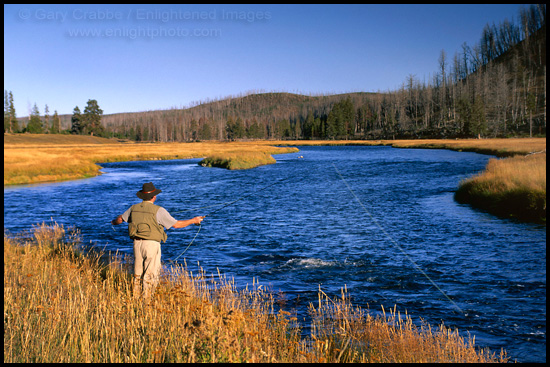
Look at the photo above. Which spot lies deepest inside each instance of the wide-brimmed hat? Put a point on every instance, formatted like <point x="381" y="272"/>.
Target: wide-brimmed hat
<point x="148" y="191"/>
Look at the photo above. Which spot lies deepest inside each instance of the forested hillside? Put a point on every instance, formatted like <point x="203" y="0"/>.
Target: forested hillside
<point x="495" y="88"/>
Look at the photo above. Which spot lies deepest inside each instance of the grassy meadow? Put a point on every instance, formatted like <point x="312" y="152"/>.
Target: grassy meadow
<point x="62" y="304"/>
<point x="32" y="158"/>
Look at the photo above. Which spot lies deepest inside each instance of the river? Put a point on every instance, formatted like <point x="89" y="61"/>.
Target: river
<point x="380" y="221"/>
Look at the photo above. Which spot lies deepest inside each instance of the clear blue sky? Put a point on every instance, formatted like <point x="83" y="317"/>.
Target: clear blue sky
<point x="133" y="58"/>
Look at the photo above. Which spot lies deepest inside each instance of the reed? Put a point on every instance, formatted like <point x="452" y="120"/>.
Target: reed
<point x="65" y="304"/>
<point x="344" y="333"/>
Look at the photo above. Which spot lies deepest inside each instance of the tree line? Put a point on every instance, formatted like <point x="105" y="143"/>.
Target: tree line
<point x="87" y="123"/>
<point x="494" y="88"/>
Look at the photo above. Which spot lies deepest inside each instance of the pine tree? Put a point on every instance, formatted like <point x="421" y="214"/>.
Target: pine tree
<point x="479" y="123"/>
<point x="46" y="127"/>
<point x="56" y="123"/>
<point x="334" y="120"/>
<point x="341" y="119"/>
<point x="91" y="120"/>
<point x="76" y="122"/>
<point x="7" y="127"/>
<point x="14" y="125"/>
<point x="205" y="132"/>
<point x="235" y="129"/>
<point x="309" y="130"/>
<point x="35" y="124"/>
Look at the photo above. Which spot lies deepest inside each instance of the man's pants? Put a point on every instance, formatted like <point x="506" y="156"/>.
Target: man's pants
<point x="146" y="267"/>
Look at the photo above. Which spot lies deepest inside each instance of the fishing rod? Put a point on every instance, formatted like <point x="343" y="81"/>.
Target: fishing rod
<point x="229" y="204"/>
<point x="395" y="243"/>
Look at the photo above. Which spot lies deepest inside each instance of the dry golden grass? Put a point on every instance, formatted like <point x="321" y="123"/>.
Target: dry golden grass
<point x="498" y="147"/>
<point x="527" y="172"/>
<point x="346" y="333"/>
<point x="64" y="307"/>
<point x="61" y="305"/>
<point x="32" y="158"/>
<point x="234" y="161"/>
<point x="513" y="187"/>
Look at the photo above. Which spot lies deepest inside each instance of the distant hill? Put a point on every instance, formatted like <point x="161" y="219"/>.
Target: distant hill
<point x="261" y="106"/>
<point x="264" y="110"/>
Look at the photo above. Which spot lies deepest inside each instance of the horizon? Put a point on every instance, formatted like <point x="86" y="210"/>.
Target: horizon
<point x="137" y="58"/>
<point x="200" y="103"/>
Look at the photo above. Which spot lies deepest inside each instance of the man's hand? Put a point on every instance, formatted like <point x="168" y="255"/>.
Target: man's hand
<point x="117" y="221"/>
<point x="198" y="220"/>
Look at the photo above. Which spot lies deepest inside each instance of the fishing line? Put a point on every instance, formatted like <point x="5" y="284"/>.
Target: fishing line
<point x="193" y="240"/>
<point x="225" y="206"/>
<point x="395" y="243"/>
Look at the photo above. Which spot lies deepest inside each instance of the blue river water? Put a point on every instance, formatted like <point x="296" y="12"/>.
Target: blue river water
<point x="367" y="218"/>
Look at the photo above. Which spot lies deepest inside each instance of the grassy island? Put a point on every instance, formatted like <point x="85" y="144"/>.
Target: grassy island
<point x="238" y="160"/>
<point x="63" y="304"/>
<point x="513" y="187"/>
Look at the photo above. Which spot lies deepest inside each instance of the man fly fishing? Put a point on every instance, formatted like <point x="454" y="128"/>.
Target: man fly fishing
<point x="146" y="224"/>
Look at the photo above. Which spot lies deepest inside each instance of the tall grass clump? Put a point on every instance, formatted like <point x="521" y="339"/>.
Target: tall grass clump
<point x="64" y="304"/>
<point x="342" y="332"/>
<point x="512" y="187"/>
<point x="234" y="161"/>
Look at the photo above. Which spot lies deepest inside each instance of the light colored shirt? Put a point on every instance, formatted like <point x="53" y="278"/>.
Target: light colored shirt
<point x="163" y="217"/>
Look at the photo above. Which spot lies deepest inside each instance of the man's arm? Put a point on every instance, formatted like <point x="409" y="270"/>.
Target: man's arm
<point x="185" y="223"/>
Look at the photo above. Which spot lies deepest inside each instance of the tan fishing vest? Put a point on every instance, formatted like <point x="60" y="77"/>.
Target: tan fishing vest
<point x="142" y="223"/>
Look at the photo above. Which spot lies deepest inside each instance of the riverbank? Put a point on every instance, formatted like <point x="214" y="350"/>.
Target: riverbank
<point x="32" y="158"/>
<point x="63" y="304"/>
<point x="499" y="147"/>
